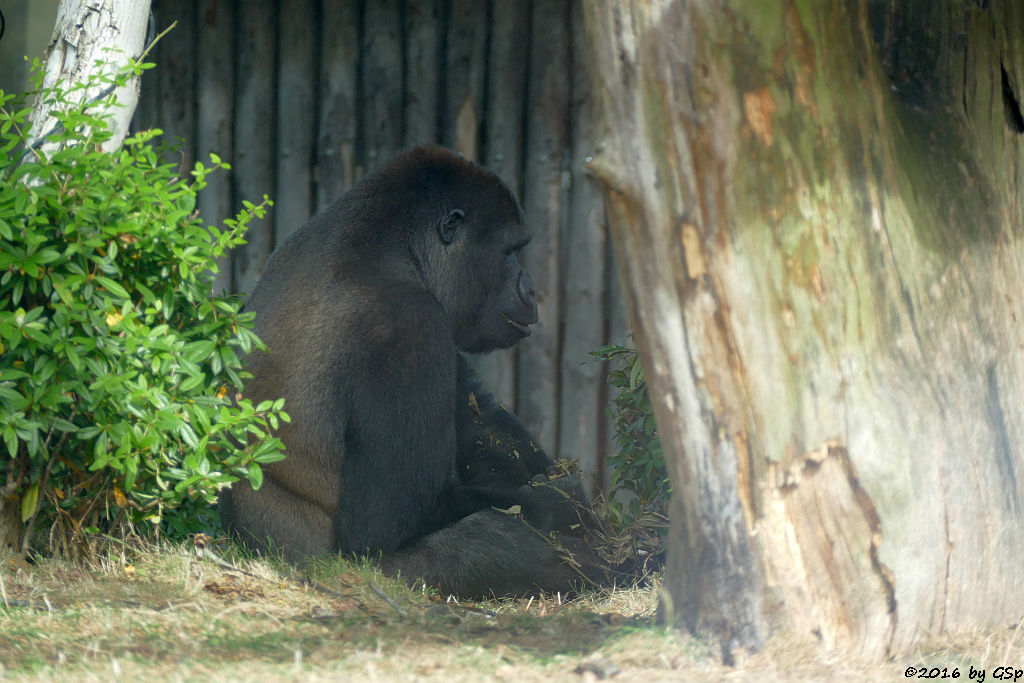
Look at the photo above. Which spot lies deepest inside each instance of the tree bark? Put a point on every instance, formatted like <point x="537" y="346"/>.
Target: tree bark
<point x="93" y="37"/>
<point x="817" y="215"/>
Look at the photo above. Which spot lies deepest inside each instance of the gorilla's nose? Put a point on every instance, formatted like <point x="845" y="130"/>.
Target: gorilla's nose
<point x="527" y="294"/>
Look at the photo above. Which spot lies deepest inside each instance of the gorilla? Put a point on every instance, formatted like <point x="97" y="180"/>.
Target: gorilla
<point x="394" y="450"/>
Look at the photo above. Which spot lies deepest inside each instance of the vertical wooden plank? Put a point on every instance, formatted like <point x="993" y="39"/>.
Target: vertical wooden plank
<point x="14" y="48"/>
<point x="381" y="122"/>
<point x="296" y="118"/>
<point x="336" y="137"/>
<point x="507" y="65"/>
<point x="254" y="134"/>
<point x="583" y="285"/>
<point x="617" y="331"/>
<point x="462" y="110"/>
<point x="464" y="77"/>
<point x="423" y="31"/>
<point x="543" y="192"/>
<point x="147" y="111"/>
<point x="215" y="83"/>
<point x="176" y="73"/>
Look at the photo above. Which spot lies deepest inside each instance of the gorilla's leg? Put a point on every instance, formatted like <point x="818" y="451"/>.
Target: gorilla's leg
<point x="491" y="553"/>
<point x="277" y="514"/>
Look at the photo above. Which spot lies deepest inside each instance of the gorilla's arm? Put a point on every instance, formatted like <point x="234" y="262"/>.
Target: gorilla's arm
<point x="494" y="448"/>
<point x="481" y="551"/>
<point x="399" y="434"/>
<point x="501" y="465"/>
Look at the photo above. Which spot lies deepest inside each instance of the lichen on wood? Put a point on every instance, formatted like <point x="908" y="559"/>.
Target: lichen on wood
<point x="817" y="217"/>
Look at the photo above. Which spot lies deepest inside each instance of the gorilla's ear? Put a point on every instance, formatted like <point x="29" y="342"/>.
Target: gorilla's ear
<point x="448" y="225"/>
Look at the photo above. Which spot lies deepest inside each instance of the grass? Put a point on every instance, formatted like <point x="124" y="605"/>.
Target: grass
<point x="168" y="613"/>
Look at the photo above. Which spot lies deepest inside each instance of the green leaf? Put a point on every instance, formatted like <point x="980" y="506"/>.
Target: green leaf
<point x="191" y="383"/>
<point x="62" y="291"/>
<point x="255" y="475"/>
<point x="45" y="256"/>
<point x="99" y="452"/>
<point x="30" y="501"/>
<point x="147" y="293"/>
<point x="188" y="435"/>
<point x="131" y="472"/>
<point x="635" y="375"/>
<point x="199" y="351"/>
<point x="112" y="287"/>
<point x="8" y="391"/>
<point x="11" y="441"/>
<point x="229" y="357"/>
<point x="73" y="357"/>
<point x="62" y="425"/>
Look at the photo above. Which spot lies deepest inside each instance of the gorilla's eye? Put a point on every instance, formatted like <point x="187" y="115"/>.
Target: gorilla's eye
<point x="448" y="225"/>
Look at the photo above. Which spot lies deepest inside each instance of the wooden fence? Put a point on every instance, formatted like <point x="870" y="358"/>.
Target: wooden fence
<point x="303" y="97"/>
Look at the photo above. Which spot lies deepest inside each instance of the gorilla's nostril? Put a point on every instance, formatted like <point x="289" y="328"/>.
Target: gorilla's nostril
<point x="524" y="286"/>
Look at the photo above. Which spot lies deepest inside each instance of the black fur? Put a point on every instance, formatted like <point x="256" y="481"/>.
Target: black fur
<point x="394" y="448"/>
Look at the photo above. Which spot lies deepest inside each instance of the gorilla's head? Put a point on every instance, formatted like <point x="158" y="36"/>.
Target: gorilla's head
<point x="465" y="241"/>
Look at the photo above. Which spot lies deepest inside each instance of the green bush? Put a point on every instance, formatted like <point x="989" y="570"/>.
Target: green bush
<point x="120" y="372"/>
<point x="639" y="481"/>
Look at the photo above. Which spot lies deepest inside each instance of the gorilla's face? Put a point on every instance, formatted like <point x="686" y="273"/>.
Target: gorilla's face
<point x="485" y="290"/>
<point x="465" y="234"/>
<point x="505" y="317"/>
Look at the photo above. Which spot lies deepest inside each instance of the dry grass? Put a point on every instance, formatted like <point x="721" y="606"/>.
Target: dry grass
<point x="167" y="614"/>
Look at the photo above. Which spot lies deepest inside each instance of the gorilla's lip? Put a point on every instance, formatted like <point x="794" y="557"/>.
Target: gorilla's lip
<point x="519" y="327"/>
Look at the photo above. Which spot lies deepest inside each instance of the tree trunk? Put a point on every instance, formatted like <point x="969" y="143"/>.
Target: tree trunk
<point x="90" y="37"/>
<point x="817" y="214"/>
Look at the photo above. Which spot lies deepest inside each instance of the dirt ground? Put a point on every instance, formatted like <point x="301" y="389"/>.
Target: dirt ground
<point x="175" y="613"/>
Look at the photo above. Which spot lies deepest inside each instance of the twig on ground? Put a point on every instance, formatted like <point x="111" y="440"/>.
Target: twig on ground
<point x="479" y="610"/>
<point x="42" y="607"/>
<point x="204" y="551"/>
<point x="320" y="588"/>
<point x="386" y="599"/>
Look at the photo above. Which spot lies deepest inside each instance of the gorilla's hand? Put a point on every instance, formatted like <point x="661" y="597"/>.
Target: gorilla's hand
<point x="553" y="504"/>
<point x="495" y="449"/>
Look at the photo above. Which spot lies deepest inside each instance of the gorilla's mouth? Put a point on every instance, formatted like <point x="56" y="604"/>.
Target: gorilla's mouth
<point x="522" y="329"/>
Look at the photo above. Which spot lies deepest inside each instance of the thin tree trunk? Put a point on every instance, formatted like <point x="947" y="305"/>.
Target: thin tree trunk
<point x="93" y="37"/>
<point x="817" y="214"/>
